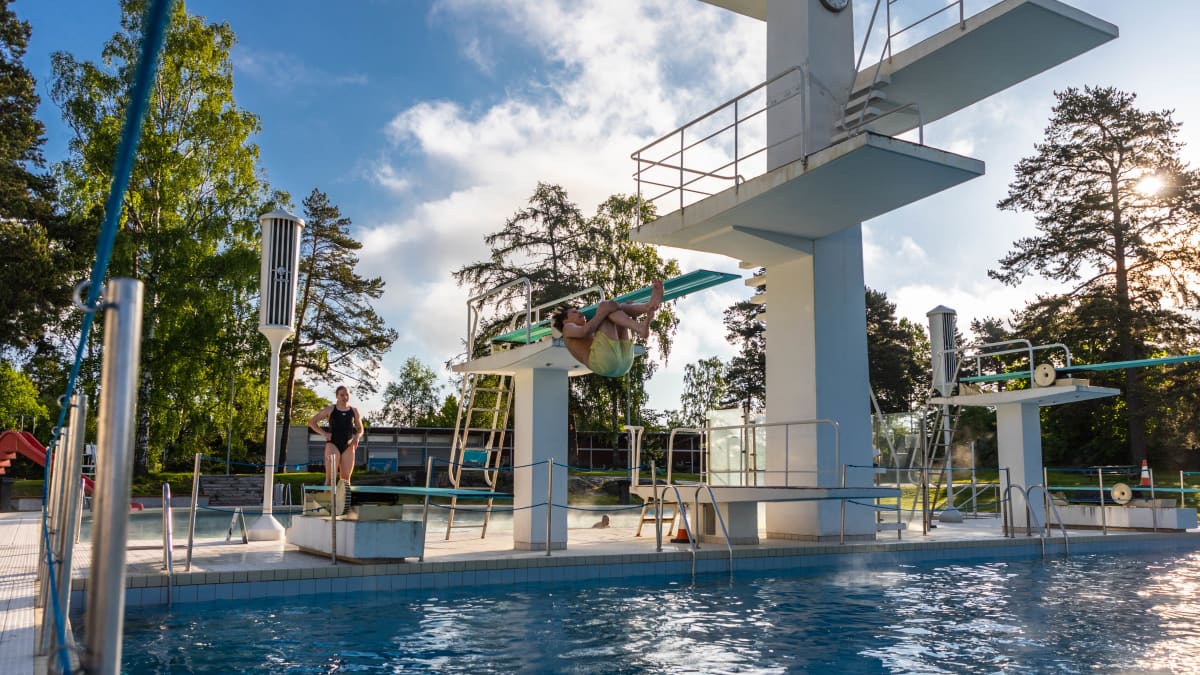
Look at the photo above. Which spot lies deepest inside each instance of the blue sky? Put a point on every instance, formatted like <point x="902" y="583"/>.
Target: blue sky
<point x="429" y="122"/>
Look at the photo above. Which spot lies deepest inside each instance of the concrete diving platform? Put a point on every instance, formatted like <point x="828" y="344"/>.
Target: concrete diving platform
<point x="1007" y="43"/>
<point x="738" y="504"/>
<point x="838" y="187"/>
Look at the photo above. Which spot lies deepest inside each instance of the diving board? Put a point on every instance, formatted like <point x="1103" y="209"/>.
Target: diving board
<point x="673" y="288"/>
<point x="1087" y="367"/>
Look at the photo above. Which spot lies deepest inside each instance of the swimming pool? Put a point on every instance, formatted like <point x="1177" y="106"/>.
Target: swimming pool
<point x="146" y="526"/>
<point x="1100" y="614"/>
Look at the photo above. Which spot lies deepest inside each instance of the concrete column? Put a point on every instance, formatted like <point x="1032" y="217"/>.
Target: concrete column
<point x="817" y="368"/>
<point x="539" y="433"/>
<point x="1019" y="441"/>
<point x="804" y="33"/>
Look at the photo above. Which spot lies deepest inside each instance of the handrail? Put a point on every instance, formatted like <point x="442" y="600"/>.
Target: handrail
<point x="537" y="311"/>
<point x="471" y="302"/>
<point x="191" y="533"/>
<point x="673" y="160"/>
<point x="168" y="541"/>
<point x="754" y="426"/>
<point x="885" y="52"/>
<point x="1051" y="506"/>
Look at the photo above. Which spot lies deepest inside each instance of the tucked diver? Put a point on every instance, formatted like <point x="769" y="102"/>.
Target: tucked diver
<point x="603" y="342"/>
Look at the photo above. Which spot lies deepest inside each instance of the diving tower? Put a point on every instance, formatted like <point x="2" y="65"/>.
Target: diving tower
<point x="826" y="160"/>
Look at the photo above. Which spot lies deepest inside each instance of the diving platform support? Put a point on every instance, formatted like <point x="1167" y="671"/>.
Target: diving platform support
<point x="1019" y="431"/>
<point x="540" y="374"/>
<point x="823" y="177"/>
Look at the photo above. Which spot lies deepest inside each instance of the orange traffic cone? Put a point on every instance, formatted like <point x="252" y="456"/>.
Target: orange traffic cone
<point x="1145" y="474"/>
<point x="681" y="536"/>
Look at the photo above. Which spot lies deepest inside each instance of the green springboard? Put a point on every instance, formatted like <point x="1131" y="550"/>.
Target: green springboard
<point x="672" y="288"/>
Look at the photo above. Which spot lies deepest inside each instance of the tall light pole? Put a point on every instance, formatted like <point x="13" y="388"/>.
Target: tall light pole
<point x="276" y="320"/>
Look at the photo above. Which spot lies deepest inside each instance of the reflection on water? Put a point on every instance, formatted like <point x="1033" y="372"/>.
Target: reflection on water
<point x="1086" y="614"/>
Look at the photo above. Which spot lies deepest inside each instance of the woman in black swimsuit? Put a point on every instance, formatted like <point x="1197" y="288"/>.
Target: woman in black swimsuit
<point x="341" y="436"/>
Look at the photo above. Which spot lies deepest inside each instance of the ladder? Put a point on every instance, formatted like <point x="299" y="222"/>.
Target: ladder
<point x="484" y="406"/>
<point x="939" y="439"/>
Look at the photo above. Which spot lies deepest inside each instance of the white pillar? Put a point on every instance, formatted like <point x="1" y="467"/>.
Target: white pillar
<point x="817" y="368"/>
<point x="1019" y="442"/>
<point x="539" y="434"/>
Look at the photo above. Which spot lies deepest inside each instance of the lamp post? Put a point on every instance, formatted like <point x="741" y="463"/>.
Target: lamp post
<point x="276" y="321"/>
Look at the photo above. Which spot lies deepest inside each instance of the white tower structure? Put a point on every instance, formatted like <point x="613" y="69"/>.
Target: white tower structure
<point x="276" y="320"/>
<point x="832" y="161"/>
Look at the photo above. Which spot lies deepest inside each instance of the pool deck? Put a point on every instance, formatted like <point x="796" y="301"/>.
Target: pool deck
<point x="223" y="571"/>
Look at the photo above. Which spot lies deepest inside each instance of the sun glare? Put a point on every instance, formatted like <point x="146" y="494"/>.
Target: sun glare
<point x="1150" y="185"/>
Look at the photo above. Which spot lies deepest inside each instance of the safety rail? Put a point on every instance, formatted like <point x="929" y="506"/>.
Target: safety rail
<point x="981" y="352"/>
<point x="474" y="302"/>
<point x="1009" y="523"/>
<point x="753" y="426"/>
<point x="168" y="533"/>
<point x="885" y="52"/>
<point x="669" y="171"/>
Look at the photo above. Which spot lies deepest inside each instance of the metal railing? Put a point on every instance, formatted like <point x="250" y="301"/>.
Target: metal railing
<point x="168" y="533"/>
<point x="751" y="427"/>
<point x="885" y="54"/>
<point x="719" y="138"/>
<point x="105" y="621"/>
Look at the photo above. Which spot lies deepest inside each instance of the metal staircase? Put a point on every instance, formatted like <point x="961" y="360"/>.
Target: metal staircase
<point x="939" y="439"/>
<point x="484" y="406"/>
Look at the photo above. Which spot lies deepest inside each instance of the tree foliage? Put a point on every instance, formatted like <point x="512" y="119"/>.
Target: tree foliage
<point x="189" y="229"/>
<point x="897" y="356"/>
<point x="1117" y="213"/>
<point x="42" y="253"/>
<point x="18" y="400"/>
<point x="411" y="400"/>
<point x="746" y="374"/>
<point x="561" y="252"/>
<point x="704" y="389"/>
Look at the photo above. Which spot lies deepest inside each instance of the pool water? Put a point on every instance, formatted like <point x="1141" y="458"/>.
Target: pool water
<point x="146" y="526"/>
<point x="1094" y="614"/>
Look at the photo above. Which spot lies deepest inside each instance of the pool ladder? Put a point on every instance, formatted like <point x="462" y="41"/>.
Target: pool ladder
<point x="693" y="534"/>
<point x="1009" y="522"/>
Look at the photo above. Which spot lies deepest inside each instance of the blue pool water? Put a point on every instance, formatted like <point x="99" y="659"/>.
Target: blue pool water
<point x="146" y="526"/>
<point x="1092" y="614"/>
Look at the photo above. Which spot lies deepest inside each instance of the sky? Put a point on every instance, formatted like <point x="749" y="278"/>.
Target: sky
<point x="430" y="122"/>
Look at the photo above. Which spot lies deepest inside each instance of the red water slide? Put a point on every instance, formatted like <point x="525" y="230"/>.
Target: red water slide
<point x="26" y="444"/>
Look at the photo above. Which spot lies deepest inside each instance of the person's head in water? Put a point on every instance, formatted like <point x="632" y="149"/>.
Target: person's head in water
<point x="567" y="315"/>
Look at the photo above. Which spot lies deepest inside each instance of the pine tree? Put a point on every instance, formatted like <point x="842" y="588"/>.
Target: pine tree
<point x="1117" y="216"/>
<point x="338" y="335"/>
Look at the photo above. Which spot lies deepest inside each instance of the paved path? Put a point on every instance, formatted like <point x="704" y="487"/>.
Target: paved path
<point x="18" y="573"/>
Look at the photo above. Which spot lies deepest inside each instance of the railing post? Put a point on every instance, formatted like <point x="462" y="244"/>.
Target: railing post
<point x="657" y="509"/>
<point x="192" y="509"/>
<point x="681" y="146"/>
<point x="549" y="501"/>
<point x="64" y="537"/>
<point x="1103" y="514"/>
<point x="168" y="542"/>
<point x="105" y="619"/>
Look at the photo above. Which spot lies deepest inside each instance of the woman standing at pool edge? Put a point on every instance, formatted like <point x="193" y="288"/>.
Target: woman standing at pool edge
<point x="344" y="430"/>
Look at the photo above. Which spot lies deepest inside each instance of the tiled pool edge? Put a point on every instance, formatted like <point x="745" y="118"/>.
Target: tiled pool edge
<point x="150" y="590"/>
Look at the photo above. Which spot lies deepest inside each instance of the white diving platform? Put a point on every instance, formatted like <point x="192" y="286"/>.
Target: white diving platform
<point x="1011" y="41"/>
<point x="547" y="354"/>
<point x="1069" y="391"/>
<point x="739" y="504"/>
<point x="838" y="187"/>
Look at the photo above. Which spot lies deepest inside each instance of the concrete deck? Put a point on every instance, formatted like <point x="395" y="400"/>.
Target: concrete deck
<point x="223" y="571"/>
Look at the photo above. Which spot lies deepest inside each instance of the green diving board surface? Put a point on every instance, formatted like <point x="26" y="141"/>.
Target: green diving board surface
<point x="415" y="490"/>
<point x="1081" y="368"/>
<point x="672" y="288"/>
